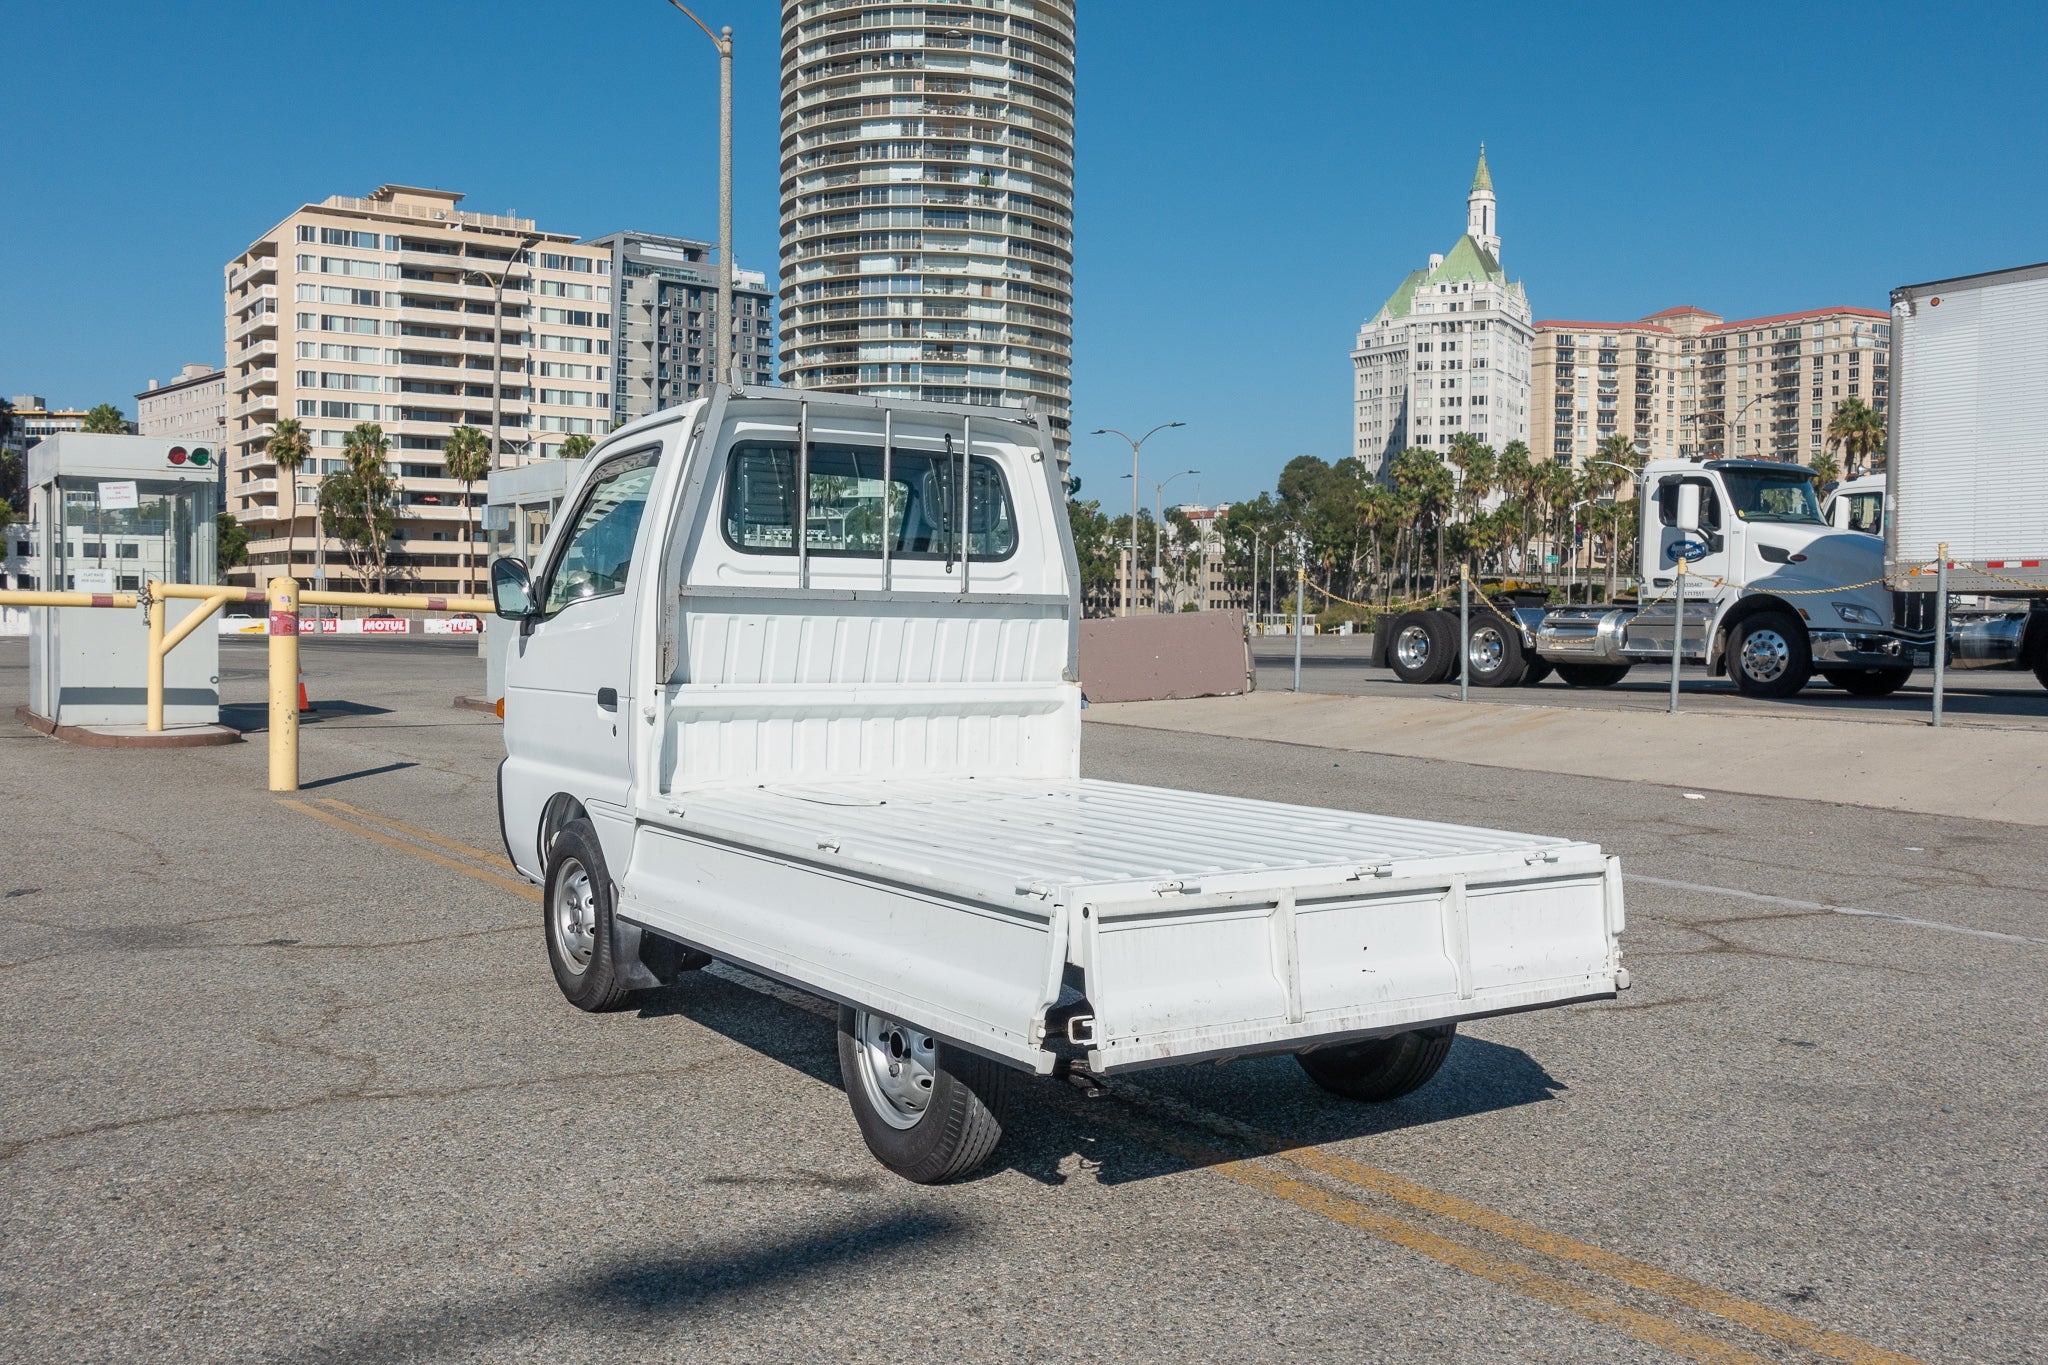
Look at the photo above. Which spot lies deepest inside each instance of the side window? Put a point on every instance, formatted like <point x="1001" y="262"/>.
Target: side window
<point x="599" y="551"/>
<point x="1866" y="513"/>
<point x="1667" y="504"/>
<point x="852" y="511"/>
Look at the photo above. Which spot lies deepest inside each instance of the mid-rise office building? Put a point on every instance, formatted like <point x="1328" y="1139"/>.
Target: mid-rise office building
<point x="34" y="418"/>
<point x="927" y="201"/>
<point x="667" y="290"/>
<point x="1687" y="382"/>
<point x="383" y="309"/>
<point x="1449" y="351"/>
<point x="192" y="408"/>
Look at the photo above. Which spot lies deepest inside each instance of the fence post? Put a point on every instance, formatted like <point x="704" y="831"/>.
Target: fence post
<point x="155" y="715"/>
<point x="1940" y="628"/>
<point x="284" y="684"/>
<point x="1464" y="633"/>
<point x="1677" y="633"/>
<point x="1300" y="606"/>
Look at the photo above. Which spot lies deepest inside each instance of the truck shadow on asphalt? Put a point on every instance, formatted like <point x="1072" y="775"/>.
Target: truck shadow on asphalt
<point x="647" y="1294"/>
<point x="1152" y="1124"/>
<point x="254" y="717"/>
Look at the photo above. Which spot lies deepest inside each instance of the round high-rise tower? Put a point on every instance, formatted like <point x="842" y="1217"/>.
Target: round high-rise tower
<point x="927" y="200"/>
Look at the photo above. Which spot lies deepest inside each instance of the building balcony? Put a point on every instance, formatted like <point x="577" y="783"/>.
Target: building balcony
<point x="255" y="270"/>
<point x="262" y="322"/>
<point x="255" y="350"/>
<point x="255" y="407"/>
<point x="254" y="380"/>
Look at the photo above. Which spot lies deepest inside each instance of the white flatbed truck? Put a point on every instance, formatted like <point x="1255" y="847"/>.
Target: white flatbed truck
<point x="848" y="759"/>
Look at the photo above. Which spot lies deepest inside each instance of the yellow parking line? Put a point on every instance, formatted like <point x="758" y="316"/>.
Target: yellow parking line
<point x="496" y="879"/>
<point x="1769" y="1321"/>
<point x="493" y="860"/>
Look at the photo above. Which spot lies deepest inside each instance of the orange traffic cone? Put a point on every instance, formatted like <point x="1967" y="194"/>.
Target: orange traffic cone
<point x="305" y="707"/>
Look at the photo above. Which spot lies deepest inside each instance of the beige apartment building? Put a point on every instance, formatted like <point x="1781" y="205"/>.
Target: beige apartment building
<point x="1687" y="382"/>
<point x="381" y="309"/>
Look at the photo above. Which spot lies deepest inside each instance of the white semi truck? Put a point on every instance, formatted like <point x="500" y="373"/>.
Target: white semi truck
<point x="1968" y="464"/>
<point x="1773" y="595"/>
<point x="793" y="686"/>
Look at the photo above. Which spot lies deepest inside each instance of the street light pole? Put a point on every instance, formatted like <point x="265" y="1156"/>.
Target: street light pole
<point x="719" y="332"/>
<point x="1131" y="579"/>
<point x="498" y="339"/>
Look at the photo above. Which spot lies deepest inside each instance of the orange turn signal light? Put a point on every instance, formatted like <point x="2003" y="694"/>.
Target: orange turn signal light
<point x="500" y="708"/>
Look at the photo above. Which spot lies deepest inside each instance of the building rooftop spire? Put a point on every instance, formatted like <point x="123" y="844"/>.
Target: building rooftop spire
<point x="1481" y="178"/>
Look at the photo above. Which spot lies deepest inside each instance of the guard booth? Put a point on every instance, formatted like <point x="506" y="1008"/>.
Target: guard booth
<point x="519" y="506"/>
<point x="113" y="513"/>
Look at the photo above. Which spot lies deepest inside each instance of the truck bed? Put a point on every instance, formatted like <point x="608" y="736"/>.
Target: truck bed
<point x="1204" y="925"/>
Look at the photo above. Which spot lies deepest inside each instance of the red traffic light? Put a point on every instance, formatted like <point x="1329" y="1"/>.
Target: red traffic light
<point x="177" y="455"/>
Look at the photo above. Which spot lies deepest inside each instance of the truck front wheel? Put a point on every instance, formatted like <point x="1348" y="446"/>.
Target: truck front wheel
<point x="1868" y="682"/>
<point x="1380" y="1068"/>
<point x="1770" y="656"/>
<point x="577" y="921"/>
<point x="1592" y="675"/>
<point x="928" y="1111"/>
<point x="1424" y="648"/>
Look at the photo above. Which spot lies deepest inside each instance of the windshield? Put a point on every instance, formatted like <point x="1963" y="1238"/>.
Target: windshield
<point x="1771" y="497"/>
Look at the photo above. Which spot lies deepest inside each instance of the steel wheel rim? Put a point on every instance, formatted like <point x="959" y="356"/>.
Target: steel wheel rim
<point x="1486" y="650"/>
<point x="898" y="1068"/>
<point x="572" y="917"/>
<point x="1411" y="646"/>
<point x="1765" y="655"/>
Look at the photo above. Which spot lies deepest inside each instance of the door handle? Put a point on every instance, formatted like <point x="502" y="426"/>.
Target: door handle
<point x="608" y="698"/>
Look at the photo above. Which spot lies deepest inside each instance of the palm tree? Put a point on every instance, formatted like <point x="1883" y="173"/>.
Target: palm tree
<point x="466" y="456"/>
<point x="1826" y="469"/>
<point x="1516" y="477"/>
<point x="366" y="449"/>
<point x="576" y="447"/>
<point x="1857" y="430"/>
<point x="288" y="447"/>
<point x="105" y="420"/>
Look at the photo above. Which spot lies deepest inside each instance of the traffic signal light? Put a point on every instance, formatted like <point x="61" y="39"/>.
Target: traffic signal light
<point x="197" y="455"/>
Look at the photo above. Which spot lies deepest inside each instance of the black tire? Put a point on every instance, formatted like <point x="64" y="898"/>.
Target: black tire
<point x="1379" y="1069"/>
<point x="956" y="1127"/>
<point x="1868" y="682"/>
<point x="2041" y="660"/>
<point x="1536" y="671"/>
<point x="1592" y="675"/>
<point x="1769" y="656"/>
<point x="1423" y="647"/>
<point x="1493" y="652"/>
<point x="576" y="921"/>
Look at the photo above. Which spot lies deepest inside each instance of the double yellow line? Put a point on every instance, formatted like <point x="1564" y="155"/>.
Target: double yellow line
<point x="1139" y="1108"/>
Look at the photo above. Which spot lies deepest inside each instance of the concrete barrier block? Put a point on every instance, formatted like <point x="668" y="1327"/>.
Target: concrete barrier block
<point x="1153" y="658"/>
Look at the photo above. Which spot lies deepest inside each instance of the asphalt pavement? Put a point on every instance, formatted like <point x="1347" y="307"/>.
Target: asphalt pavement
<point x="289" y="1080"/>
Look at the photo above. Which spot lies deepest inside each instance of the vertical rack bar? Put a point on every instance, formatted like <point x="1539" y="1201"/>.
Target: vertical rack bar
<point x="1677" y="631"/>
<point x="888" y="493"/>
<point x="966" y="496"/>
<point x="802" y="528"/>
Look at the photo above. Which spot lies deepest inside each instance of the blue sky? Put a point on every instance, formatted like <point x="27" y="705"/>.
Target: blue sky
<point x="1253" y="179"/>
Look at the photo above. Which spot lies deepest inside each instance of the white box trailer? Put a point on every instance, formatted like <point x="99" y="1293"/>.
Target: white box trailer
<point x="794" y="686"/>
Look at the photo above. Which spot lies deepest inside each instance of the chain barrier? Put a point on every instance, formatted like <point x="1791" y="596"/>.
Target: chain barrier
<point x="1437" y="596"/>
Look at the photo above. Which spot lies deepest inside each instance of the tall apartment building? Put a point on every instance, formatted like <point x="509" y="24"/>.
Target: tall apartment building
<point x="666" y="289"/>
<point x="927" y="200"/>
<point x="380" y="309"/>
<point x="1686" y="382"/>
<point x="193" y="408"/>
<point x="1449" y="351"/>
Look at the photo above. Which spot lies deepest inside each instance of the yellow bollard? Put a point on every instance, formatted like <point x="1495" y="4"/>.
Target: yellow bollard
<point x="156" y="657"/>
<point x="284" y="684"/>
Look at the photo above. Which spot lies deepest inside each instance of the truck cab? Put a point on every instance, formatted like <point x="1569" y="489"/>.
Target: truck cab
<point x="1856" y="505"/>
<point x="1772" y="592"/>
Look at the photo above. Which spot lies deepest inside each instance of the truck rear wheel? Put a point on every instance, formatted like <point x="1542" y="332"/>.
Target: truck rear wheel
<point x="1536" y="672"/>
<point x="1769" y="656"/>
<point x="1868" y="682"/>
<point x="928" y="1111"/>
<point x="1592" y="675"/>
<point x="1424" y="648"/>
<point x="1378" y="1069"/>
<point x="576" y="913"/>
<point x="1493" y="653"/>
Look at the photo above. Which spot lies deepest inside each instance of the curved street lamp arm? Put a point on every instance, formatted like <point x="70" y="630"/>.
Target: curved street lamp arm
<point x="715" y="41"/>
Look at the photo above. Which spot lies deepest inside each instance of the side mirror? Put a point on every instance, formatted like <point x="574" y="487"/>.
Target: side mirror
<point x="1688" y="516"/>
<point x="512" y="589"/>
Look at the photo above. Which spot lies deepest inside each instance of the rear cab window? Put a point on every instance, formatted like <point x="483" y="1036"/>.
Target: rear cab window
<point x="851" y="511"/>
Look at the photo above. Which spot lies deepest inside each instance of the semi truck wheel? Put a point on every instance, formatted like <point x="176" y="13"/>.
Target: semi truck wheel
<point x="1868" y="682"/>
<point x="1380" y="1068"/>
<point x="928" y="1111"/>
<point x="1493" y="653"/>
<point x="1536" y="672"/>
<point x="1769" y="656"/>
<point x="1592" y="675"/>
<point x="1424" y="649"/>
<point x="576" y="914"/>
